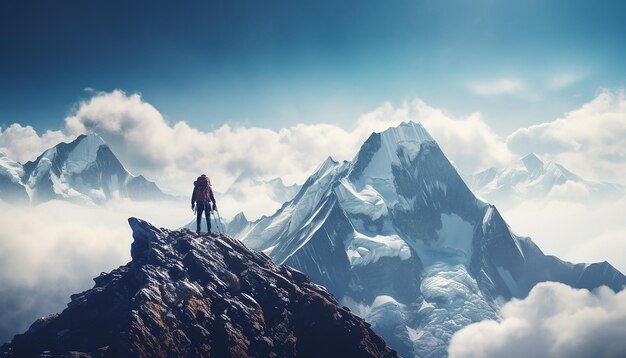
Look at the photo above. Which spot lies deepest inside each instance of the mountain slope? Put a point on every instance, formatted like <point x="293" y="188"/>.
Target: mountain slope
<point x="85" y="170"/>
<point x="184" y="295"/>
<point x="11" y="187"/>
<point x="531" y="178"/>
<point x="399" y="238"/>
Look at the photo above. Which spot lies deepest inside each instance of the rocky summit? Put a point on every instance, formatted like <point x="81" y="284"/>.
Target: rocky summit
<point x="189" y="295"/>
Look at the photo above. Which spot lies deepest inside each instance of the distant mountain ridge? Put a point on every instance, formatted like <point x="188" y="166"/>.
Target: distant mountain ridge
<point x="530" y="178"/>
<point x="84" y="170"/>
<point x="397" y="236"/>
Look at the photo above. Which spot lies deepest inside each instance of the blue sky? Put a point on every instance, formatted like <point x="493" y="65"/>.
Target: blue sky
<point x="277" y="63"/>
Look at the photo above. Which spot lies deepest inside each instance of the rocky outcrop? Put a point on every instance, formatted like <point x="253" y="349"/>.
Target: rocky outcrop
<point x="189" y="295"/>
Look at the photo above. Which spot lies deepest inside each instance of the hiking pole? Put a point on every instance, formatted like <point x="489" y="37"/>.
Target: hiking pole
<point x="217" y="223"/>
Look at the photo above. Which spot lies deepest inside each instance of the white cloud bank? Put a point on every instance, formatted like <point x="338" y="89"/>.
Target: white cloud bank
<point x="588" y="140"/>
<point x="53" y="250"/>
<point x="575" y="232"/>
<point x="23" y="143"/>
<point x="147" y="142"/>
<point x="174" y="154"/>
<point x="555" y="320"/>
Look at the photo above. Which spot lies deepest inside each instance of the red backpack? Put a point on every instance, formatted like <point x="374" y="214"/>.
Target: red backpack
<point x="203" y="190"/>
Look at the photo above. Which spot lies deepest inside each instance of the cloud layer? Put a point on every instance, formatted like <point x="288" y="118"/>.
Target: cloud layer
<point x="53" y="250"/>
<point x="573" y="231"/>
<point x="588" y="140"/>
<point x="555" y="320"/>
<point x="23" y="143"/>
<point x="173" y="154"/>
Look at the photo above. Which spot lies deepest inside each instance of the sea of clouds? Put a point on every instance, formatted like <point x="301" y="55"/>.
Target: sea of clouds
<point x="50" y="251"/>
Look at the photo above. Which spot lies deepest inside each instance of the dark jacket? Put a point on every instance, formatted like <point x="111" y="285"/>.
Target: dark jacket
<point x="193" y="195"/>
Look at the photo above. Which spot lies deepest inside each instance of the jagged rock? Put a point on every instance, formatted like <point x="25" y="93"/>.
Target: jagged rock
<point x="189" y="295"/>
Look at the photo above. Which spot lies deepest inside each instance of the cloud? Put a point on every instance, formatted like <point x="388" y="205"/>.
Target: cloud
<point x="576" y="232"/>
<point x="469" y="142"/>
<point x="176" y="153"/>
<point x="23" y="143"/>
<point x="53" y="250"/>
<point x="562" y="80"/>
<point x="173" y="154"/>
<point x="588" y="140"/>
<point x="499" y="86"/>
<point x="555" y="320"/>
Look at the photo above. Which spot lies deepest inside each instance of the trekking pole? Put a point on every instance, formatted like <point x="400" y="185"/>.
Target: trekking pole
<point x="217" y="223"/>
<point x="220" y="220"/>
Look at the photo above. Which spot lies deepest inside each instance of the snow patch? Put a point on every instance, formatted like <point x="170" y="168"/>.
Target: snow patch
<point x="509" y="281"/>
<point x="456" y="234"/>
<point x="366" y="202"/>
<point x="363" y="250"/>
<point x="10" y="168"/>
<point x="83" y="155"/>
<point x="410" y="149"/>
<point x="454" y="301"/>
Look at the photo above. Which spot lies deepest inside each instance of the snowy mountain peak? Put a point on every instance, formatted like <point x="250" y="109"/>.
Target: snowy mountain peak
<point x="326" y="166"/>
<point x="10" y="168"/>
<point x="86" y="171"/>
<point x="84" y="153"/>
<point x="387" y="149"/>
<point x="558" y="170"/>
<point x="407" y="132"/>
<point x="398" y="236"/>
<point x="532" y="162"/>
<point x="11" y="187"/>
<point x="531" y="178"/>
<point x="92" y="138"/>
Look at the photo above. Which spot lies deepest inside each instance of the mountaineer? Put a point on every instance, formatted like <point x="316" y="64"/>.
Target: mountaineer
<point x="202" y="199"/>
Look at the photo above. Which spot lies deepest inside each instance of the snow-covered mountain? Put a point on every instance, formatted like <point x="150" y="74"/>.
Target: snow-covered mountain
<point x="531" y="178"/>
<point x="85" y="171"/>
<point x="398" y="237"/>
<point x="11" y="187"/>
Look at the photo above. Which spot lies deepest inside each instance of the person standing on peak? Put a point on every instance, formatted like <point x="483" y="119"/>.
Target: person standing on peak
<point x="202" y="199"/>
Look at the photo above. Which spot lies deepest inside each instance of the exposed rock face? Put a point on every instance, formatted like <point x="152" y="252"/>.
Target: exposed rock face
<point x="184" y="295"/>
